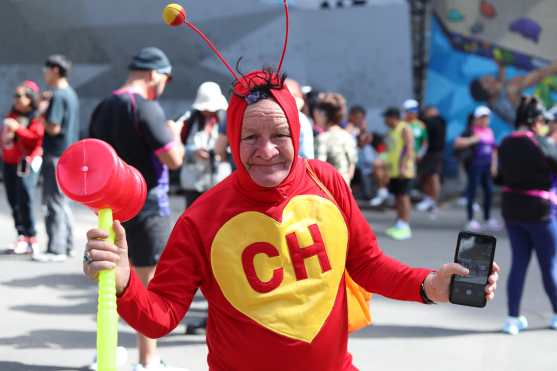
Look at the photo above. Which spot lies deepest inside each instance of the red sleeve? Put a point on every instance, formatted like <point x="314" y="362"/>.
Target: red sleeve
<point x="32" y="136"/>
<point x="157" y="310"/>
<point x="366" y="263"/>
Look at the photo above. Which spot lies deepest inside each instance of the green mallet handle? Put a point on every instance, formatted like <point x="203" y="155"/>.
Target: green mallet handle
<point x="107" y="316"/>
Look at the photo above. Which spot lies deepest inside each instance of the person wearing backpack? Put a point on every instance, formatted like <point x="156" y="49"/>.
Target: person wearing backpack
<point x="203" y="167"/>
<point x="133" y="122"/>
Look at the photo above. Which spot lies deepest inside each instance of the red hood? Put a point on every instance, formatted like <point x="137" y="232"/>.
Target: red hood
<point x="235" y="116"/>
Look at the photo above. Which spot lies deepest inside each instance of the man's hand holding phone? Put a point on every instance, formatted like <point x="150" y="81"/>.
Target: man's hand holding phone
<point x="437" y="284"/>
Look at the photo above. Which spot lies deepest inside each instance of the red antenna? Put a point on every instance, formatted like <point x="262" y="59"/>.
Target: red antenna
<point x="213" y="48"/>
<point x="175" y="15"/>
<point x="285" y="38"/>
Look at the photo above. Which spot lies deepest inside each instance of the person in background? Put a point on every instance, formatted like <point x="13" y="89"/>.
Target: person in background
<point x="431" y="166"/>
<point x="356" y="121"/>
<point x="411" y="109"/>
<point x="133" y="122"/>
<point x="364" y="166"/>
<point x="527" y="172"/>
<point x="480" y="141"/>
<point x="21" y="142"/>
<point x="400" y="161"/>
<point x="335" y="145"/>
<point x="61" y="122"/>
<point x="203" y="167"/>
<point x="307" y="147"/>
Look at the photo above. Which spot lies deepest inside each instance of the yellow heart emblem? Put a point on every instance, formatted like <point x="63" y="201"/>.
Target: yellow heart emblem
<point x="284" y="276"/>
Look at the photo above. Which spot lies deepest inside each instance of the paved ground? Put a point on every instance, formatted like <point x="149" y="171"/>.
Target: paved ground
<point x="47" y="313"/>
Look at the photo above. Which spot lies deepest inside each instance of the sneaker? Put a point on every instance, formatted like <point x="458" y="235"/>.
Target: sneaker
<point x="462" y="201"/>
<point x="513" y="325"/>
<point x="48" y="257"/>
<point x="156" y="365"/>
<point x="197" y="329"/>
<point x="425" y="205"/>
<point x="22" y="246"/>
<point x="380" y="197"/>
<point x="33" y="244"/>
<point x="553" y="323"/>
<point x="493" y="225"/>
<point x="121" y="359"/>
<point x="433" y="212"/>
<point x="72" y="253"/>
<point x="473" y="226"/>
<point x="399" y="233"/>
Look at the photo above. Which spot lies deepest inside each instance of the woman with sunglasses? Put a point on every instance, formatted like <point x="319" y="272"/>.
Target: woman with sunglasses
<point x="21" y="141"/>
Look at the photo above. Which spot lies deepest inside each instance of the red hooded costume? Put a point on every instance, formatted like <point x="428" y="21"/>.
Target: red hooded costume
<point x="270" y="262"/>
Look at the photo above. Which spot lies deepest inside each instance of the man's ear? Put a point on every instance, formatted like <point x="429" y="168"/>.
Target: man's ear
<point x="152" y="76"/>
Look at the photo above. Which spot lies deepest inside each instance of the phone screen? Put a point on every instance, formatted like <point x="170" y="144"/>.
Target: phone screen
<point x="475" y="252"/>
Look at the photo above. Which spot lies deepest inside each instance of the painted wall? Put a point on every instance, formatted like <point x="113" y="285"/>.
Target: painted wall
<point x="472" y="40"/>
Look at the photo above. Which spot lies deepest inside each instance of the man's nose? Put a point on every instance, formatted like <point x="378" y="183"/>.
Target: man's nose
<point x="266" y="149"/>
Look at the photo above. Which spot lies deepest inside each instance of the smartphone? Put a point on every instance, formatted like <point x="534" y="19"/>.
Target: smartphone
<point x="23" y="168"/>
<point x="476" y="252"/>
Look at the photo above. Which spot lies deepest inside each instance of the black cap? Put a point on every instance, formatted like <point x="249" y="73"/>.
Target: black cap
<point x="151" y="59"/>
<point x="391" y="112"/>
<point x="60" y="61"/>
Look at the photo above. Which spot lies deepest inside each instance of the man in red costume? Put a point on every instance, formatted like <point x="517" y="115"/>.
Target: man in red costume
<point x="268" y="248"/>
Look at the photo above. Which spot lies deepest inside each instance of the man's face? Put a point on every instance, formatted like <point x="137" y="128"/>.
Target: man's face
<point x="157" y="84"/>
<point x="266" y="148"/>
<point x="391" y="121"/>
<point x="410" y="116"/>
<point x="358" y="119"/>
<point x="50" y="75"/>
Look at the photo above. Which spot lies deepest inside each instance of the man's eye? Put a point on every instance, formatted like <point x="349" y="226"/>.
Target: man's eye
<point x="248" y="137"/>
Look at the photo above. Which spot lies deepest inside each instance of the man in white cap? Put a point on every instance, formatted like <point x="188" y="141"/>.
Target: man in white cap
<point x="411" y="110"/>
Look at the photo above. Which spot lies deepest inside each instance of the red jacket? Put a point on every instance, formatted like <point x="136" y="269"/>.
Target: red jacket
<point x="271" y="263"/>
<point x="28" y="141"/>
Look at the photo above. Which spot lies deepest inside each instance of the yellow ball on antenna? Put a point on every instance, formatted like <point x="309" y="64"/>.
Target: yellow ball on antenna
<point x="174" y="15"/>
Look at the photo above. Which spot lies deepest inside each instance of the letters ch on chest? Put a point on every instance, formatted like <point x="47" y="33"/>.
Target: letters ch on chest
<point x="298" y="255"/>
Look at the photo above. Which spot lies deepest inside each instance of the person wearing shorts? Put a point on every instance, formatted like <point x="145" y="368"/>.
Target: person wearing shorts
<point x="132" y="121"/>
<point x="431" y="166"/>
<point x="400" y="160"/>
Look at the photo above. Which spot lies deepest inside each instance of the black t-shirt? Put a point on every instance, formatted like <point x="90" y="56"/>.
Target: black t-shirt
<point x="526" y="164"/>
<point x="436" y="131"/>
<point x="63" y="110"/>
<point x="136" y="133"/>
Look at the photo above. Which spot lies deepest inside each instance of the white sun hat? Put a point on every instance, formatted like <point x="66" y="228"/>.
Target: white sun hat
<point x="209" y="98"/>
<point x="481" y="111"/>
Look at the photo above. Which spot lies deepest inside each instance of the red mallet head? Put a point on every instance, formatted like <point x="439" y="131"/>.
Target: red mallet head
<point x="91" y="173"/>
<point x="174" y="15"/>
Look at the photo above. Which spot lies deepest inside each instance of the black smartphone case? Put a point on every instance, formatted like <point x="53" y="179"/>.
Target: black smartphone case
<point x="475" y="300"/>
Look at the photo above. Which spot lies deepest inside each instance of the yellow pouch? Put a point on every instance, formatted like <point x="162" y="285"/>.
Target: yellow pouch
<point x="359" y="315"/>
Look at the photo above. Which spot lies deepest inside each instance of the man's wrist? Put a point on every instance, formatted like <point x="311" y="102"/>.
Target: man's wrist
<point x="423" y="293"/>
